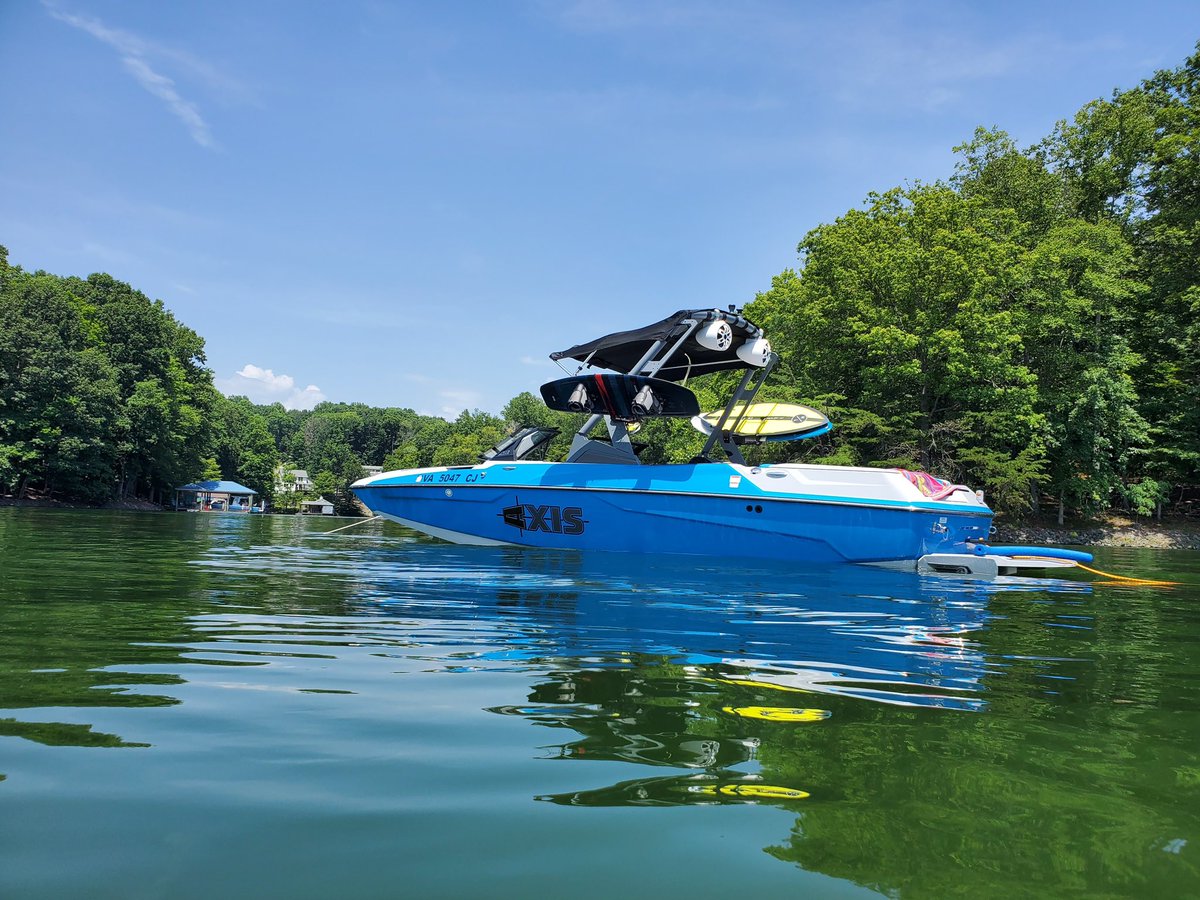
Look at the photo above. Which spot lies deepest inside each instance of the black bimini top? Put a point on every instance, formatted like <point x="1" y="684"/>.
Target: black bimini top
<point x="622" y="350"/>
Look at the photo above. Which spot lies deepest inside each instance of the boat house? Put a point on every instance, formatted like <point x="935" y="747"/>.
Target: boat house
<point x="214" y="496"/>
<point x="320" y="507"/>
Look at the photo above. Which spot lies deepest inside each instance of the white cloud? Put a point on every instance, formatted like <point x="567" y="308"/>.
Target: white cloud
<point x="264" y="386"/>
<point x="455" y="401"/>
<point x="133" y="51"/>
<point x="163" y="88"/>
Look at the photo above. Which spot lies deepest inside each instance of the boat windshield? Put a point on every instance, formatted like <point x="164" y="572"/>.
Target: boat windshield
<point x="526" y="443"/>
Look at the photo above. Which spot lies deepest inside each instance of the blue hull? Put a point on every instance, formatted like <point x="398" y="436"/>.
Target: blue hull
<point x="704" y="510"/>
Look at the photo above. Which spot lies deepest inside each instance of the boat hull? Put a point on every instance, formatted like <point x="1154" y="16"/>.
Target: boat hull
<point x="709" y="510"/>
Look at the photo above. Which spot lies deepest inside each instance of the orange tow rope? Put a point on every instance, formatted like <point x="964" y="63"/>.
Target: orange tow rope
<point x="1126" y="578"/>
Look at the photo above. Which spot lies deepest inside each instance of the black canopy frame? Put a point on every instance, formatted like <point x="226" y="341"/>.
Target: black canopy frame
<point x="669" y="349"/>
<point x="637" y="352"/>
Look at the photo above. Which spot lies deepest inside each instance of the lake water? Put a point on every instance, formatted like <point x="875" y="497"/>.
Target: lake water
<point x="222" y="705"/>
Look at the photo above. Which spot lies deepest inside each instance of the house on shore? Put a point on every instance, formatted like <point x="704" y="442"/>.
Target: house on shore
<point x="214" y="496"/>
<point x="292" y="481"/>
<point x="321" y="507"/>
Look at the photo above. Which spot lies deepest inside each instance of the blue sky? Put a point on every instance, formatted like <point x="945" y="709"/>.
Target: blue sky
<point x="412" y="204"/>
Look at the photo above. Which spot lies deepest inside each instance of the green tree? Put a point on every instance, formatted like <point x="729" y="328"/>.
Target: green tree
<point x="1169" y="244"/>
<point x="1078" y="294"/>
<point x="246" y="451"/>
<point x="471" y="434"/>
<point x="429" y="433"/>
<point x="325" y="484"/>
<point x="1100" y="157"/>
<point x="992" y="169"/>
<point x="58" y="398"/>
<point x="905" y="309"/>
<point x="282" y="424"/>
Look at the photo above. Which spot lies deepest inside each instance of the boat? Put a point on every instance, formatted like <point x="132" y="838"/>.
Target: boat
<point x="603" y="498"/>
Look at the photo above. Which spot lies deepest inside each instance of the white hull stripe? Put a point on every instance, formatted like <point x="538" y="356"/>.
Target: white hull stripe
<point x="454" y="537"/>
<point x="897" y="505"/>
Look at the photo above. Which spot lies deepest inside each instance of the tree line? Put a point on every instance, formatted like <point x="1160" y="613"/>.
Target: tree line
<point x="106" y="397"/>
<point x="1031" y="324"/>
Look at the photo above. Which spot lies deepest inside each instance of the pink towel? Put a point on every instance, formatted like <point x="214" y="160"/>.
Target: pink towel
<point x="926" y="483"/>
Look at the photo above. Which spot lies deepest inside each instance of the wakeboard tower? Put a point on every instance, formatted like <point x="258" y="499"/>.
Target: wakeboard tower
<point x="602" y="497"/>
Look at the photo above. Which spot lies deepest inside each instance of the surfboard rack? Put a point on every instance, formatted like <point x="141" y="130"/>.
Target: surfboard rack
<point x="742" y="397"/>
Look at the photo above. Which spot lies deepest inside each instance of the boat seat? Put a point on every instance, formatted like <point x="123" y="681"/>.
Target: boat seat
<point x="596" y="451"/>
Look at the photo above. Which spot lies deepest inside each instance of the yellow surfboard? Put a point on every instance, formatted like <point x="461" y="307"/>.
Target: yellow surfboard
<point x="752" y="791"/>
<point x="767" y="422"/>
<point x="778" y="713"/>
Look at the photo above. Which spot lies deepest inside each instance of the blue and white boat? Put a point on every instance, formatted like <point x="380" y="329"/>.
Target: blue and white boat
<point x="602" y="498"/>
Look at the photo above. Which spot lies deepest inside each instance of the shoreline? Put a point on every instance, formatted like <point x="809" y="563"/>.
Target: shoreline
<point x="1172" y="533"/>
<point x="43" y="503"/>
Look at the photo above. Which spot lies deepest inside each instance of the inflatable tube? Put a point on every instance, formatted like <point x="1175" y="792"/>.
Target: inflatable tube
<point x="1044" y="552"/>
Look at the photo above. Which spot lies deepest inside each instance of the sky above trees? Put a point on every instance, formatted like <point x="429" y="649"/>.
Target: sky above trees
<point x="410" y="204"/>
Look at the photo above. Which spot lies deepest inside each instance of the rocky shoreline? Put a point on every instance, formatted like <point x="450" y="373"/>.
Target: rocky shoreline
<point x="1172" y="533"/>
<point x="43" y="503"/>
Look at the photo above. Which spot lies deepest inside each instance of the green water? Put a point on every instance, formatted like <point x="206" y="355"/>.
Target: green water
<point x="220" y="705"/>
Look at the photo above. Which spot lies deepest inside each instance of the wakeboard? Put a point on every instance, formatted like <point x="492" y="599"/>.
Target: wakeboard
<point x="625" y="398"/>
<point x="761" y="422"/>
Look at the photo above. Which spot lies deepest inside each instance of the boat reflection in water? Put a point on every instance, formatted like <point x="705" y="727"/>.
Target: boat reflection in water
<point x="731" y="677"/>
